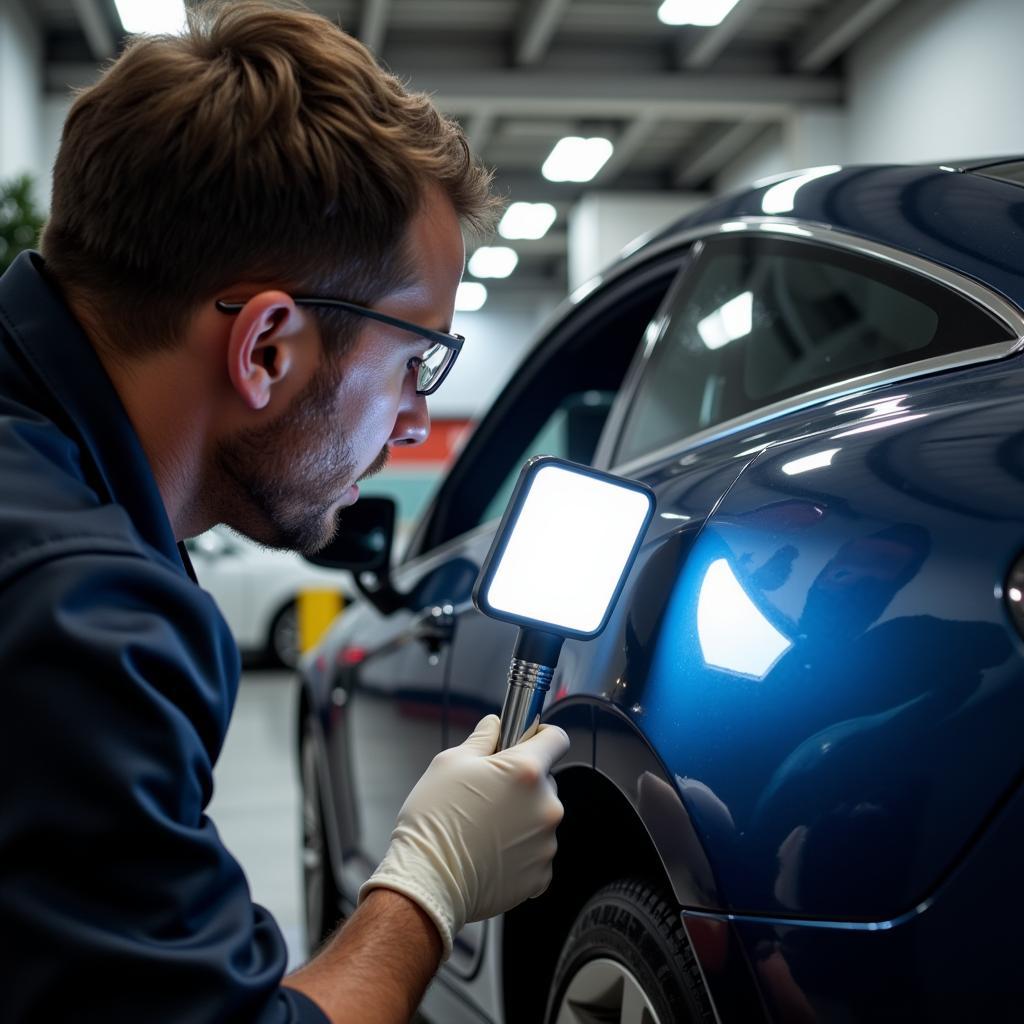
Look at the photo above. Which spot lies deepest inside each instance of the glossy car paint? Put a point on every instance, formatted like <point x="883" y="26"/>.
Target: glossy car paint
<point x="836" y="805"/>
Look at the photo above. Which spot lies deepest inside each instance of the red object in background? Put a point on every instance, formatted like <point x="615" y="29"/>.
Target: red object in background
<point x="348" y="656"/>
<point x="444" y="441"/>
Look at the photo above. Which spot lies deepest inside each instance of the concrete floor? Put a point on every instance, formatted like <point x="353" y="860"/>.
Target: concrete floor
<point x="256" y="798"/>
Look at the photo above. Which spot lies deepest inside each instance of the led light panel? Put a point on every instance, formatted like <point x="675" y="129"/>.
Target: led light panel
<point x="565" y="547"/>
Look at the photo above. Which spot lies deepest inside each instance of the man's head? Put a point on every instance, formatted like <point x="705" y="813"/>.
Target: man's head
<point x="259" y="156"/>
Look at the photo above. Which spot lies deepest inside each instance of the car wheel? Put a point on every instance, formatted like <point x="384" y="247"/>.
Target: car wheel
<point x="322" y="902"/>
<point x="627" y="960"/>
<point x="283" y="641"/>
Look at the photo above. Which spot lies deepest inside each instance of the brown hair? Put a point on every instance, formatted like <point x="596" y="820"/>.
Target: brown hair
<point x="263" y="144"/>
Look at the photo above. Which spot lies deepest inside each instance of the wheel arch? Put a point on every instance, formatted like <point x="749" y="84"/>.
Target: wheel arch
<point x="624" y="817"/>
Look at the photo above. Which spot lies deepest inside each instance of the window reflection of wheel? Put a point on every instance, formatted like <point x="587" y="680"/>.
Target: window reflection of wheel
<point x="283" y="642"/>
<point x="322" y="903"/>
<point x="627" y="960"/>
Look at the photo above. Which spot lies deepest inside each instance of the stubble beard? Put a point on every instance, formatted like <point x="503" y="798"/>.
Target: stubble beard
<point x="284" y="477"/>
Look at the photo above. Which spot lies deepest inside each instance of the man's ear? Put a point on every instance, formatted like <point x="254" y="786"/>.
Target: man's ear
<point x="261" y="345"/>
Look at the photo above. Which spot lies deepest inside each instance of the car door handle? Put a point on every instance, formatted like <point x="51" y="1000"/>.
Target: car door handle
<point x="435" y="626"/>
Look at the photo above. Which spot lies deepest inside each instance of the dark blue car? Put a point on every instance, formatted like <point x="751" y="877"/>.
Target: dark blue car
<point x="793" y="792"/>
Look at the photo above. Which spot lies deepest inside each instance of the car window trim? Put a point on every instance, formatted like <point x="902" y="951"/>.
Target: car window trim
<point x="997" y="306"/>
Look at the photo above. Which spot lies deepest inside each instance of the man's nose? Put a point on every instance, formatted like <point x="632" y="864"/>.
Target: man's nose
<point x="412" y="424"/>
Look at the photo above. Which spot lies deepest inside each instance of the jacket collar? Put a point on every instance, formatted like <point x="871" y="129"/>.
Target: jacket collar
<point x="65" y="365"/>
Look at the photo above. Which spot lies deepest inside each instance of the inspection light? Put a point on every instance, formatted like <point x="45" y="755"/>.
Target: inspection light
<point x="557" y="564"/>
<point x="152" y="17"/>
<point x="695" y="12"/>
<point x="576" y="159"/>
<point x="470" y="297"/>
<point x="493" y="261"/>
<point x="527" y="220"/>
<point x="729" y="322"/>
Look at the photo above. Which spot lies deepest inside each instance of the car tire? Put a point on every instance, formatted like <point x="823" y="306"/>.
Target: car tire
<point x="283" y="638"/>
<point x="321" y="900"/>
<point x="627" y="958"/>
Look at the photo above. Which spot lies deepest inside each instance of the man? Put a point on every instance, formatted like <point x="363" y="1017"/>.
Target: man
<point x="168" y="363"/>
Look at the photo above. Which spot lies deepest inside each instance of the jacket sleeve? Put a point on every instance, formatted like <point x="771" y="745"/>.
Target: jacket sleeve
<point x="118" y="901"/>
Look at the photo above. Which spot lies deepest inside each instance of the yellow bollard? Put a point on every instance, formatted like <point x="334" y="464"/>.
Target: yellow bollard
<point x="317" y="610"/>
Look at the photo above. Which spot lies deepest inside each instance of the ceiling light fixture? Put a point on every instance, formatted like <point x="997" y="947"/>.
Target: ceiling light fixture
<point x="470" y="297"/>
<point x="151" y="17"/>
<point x="576" y="159"/>
<point x="493" y="261"/>
<point x="527" y="220"/>
<point x="695" y="12"/>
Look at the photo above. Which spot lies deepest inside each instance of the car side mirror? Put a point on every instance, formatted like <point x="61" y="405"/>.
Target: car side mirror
<point x="366" y="533"/>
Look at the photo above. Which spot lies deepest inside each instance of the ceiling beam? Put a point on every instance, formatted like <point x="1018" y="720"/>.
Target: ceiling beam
<point x="837" y="32"/>
<point x="716" y="153"/>
<point x="373" y="25"/>
<point x="630" y="141"/>
<point x="680" y="96"/>
<point x="96" y="29"/>
<point x="540" y="23"/>
<point x="713" y="41"/>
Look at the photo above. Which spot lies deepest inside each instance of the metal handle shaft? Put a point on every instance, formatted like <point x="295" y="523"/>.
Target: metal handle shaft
<point x="528" y="684"/>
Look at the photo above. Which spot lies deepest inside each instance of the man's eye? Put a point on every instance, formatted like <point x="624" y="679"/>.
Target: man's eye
<point x="415" y="363"/>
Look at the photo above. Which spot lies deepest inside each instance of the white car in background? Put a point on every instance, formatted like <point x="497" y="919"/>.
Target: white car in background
<point x="257" y="589"/>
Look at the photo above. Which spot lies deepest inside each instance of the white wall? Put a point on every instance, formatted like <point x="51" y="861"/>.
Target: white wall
<point x="497" y="337"/>
<point x="602" y="224"/>
<point x="55" y="110"/>
<point x="21" y="90"/>
<point x="935" y="80"/>
<point x="939" y="80"/>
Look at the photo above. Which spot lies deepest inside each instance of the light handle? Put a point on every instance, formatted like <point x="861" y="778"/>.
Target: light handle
<point x="529" y="678"/>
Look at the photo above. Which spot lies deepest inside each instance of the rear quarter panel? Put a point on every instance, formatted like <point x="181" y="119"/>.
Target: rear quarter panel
<point x="832" y="678"/>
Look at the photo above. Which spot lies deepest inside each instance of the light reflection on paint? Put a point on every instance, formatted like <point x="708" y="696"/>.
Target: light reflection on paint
<point x="734" y="635"/>
<point x="878" y="425"/>
<point x="781" y="198"/>
<point x="819" y="460"/>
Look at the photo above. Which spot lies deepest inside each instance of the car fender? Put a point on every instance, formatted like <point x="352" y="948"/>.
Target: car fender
<point x="603" y="739"/>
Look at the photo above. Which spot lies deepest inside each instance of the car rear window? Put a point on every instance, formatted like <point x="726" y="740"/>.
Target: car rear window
<point x="759" y="320"/>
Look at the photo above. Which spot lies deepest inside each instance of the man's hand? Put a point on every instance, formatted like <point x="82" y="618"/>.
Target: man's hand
<point x="477" y="834"/>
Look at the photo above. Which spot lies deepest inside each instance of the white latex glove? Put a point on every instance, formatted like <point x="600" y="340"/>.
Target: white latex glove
<point x="477" y="834"/>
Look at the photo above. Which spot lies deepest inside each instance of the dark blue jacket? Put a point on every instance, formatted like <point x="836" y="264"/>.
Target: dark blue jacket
<point x="118" y="901"/>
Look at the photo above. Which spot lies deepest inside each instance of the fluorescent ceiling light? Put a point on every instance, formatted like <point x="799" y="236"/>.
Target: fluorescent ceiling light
<point x="527" y="220"/>
<point x="493" y="261"/>
<point x="576" y="159"/>
<point x="781" y="198"/>
<point x="733" y="320"/>
<point x="152" y="17"/>
<point x="695" y="12"/>
<point x="470" y="297"/>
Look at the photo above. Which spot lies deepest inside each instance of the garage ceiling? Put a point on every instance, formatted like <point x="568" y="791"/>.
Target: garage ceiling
<point x="679" y="103"/>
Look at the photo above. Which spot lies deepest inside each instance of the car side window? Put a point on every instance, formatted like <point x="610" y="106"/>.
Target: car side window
<point x="759" y="320"/>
